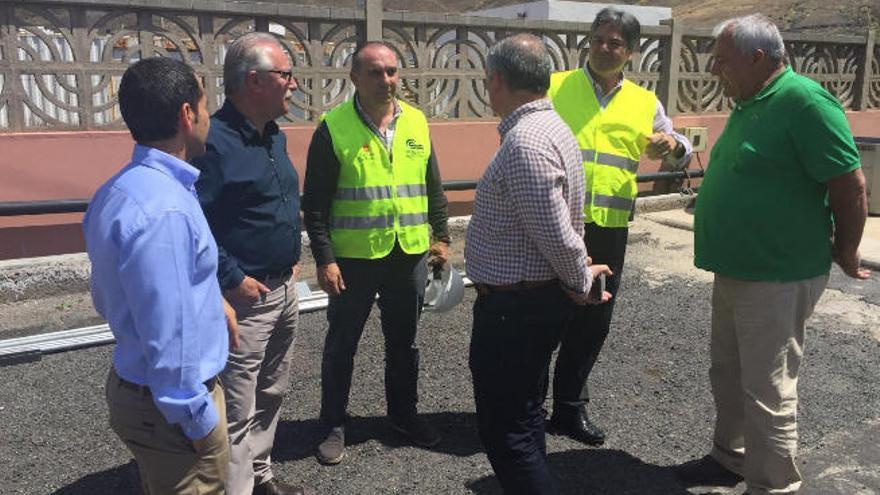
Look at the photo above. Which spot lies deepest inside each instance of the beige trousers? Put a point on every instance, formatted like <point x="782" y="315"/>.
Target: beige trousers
<point x="757" y="345"/>
<point x="255" y="380"/>
<point x="166" y="459"/>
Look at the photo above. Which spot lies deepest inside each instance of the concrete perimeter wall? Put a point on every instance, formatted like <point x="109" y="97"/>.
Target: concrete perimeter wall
<point x="71" y="165"/>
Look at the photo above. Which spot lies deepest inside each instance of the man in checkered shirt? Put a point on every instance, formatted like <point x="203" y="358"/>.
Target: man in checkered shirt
<point x="527" y="258"/>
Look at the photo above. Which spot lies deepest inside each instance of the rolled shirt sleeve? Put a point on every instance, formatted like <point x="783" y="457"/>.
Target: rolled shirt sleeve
<point x="160" y="256"/>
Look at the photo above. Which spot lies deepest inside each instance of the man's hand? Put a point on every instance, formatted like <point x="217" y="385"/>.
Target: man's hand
<point x="438" y="254"/>
<point x="231" y="324"/>
<point x="248" y="292"/>
<point x="850" y="264"/>
<point x="581" y="299"/>
<point x="330" y="279"/>
<point x="593" y="296"/>
<point x="660" y="145"/>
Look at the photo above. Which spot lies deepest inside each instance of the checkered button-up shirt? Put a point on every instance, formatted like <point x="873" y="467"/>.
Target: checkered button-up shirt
<point x="528" y="220"/>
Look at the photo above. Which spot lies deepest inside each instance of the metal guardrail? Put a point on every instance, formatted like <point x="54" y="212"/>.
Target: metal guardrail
<point x="19" y="208"/>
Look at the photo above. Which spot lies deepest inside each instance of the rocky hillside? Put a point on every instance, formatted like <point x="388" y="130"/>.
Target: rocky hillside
<point x="823" y="16"/>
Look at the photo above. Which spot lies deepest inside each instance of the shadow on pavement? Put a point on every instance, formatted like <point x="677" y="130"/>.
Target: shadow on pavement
<point x="295" y="440"/>
<point x="121" y="479"/>
<point x="599" y="471"/>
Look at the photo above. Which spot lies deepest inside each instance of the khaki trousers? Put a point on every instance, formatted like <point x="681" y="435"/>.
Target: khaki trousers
<point x="166" y="459"/>
<point x="756" y="347"/>
<point x="255" y="379"/>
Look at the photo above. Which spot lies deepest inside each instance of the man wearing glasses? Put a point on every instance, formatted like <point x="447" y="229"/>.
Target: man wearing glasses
<point x="249" y="191"/>
<point x="615" y="122"/>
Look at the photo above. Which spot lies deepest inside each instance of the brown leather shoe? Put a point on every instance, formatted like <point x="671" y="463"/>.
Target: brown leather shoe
<point x="276" y="487"/>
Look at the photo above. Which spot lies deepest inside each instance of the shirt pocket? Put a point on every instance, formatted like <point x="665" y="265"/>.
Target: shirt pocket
<point x="751" y="159"/>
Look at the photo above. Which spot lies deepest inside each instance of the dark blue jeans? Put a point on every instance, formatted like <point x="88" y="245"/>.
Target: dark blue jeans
<point x="399" y="279"/>
<point x="587" y="331"/>
<point x="513" y="338"/>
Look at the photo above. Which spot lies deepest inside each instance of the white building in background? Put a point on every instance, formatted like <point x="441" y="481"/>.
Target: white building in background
<point x="567" y="10"/>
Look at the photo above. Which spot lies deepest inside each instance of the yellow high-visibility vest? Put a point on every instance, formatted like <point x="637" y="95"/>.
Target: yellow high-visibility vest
<point x="611" y="141"/>
<point x="379" y="199"/>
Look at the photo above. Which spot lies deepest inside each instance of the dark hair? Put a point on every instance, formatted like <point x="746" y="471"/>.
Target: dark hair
<point x="627" y="23"/>
<point x="151" y="94"/>
<point x="355" y="57"/>
<point x="523" y="62"/>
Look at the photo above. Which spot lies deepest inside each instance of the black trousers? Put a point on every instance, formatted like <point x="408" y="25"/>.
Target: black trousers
<point x="586" y="333"/>
<point x="514" y="335"/>
<point x="399" y="279"/>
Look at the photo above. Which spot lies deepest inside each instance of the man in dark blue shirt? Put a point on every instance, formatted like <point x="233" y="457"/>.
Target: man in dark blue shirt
<point x="249" y="191"/>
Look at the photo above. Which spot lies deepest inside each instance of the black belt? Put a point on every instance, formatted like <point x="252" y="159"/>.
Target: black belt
<point x="486" y="289"/>
<point x="145" y="390"/>
<point x="284" y="274"/>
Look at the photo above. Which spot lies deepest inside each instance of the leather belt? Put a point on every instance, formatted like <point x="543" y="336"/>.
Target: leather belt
<point x="486" y="289"/>
<point x="284" y="274"/>
<point x="144" y="390"/>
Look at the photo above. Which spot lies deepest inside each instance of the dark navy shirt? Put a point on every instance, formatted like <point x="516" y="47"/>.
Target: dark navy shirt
<point x="249" y="192"/>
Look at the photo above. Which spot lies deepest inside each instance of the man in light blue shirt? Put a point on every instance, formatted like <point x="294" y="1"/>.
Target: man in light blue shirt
<point x="154" y="264"/>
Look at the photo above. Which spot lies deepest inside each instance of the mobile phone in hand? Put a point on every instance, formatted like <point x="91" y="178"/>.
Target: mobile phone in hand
<point x="598" y="288"/>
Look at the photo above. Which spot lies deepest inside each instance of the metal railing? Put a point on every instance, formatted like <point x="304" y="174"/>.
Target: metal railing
<point x="46" y="207"/>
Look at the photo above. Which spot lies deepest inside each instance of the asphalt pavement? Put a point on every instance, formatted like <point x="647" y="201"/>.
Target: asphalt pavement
<point x="650" y="392"/>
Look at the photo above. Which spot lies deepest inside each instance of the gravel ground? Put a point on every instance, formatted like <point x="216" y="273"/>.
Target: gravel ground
<point x="650" y="392"/>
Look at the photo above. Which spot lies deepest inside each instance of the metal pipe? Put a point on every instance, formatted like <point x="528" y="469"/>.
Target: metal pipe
<point x="17" y="208"/>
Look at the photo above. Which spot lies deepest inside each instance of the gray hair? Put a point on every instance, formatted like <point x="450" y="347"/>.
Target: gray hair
<point x="752" y="33"/>
<point x="247" y="53"/>
<point x="523" y="62"/>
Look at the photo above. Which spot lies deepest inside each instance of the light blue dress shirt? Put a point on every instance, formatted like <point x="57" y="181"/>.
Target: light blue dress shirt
<point x="154" y="279"/>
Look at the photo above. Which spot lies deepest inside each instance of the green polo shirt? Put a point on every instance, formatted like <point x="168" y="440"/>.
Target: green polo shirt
<point x="762" y="212"/>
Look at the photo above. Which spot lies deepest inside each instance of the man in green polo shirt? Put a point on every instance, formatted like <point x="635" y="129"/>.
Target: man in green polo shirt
<point x="782" y="198"/>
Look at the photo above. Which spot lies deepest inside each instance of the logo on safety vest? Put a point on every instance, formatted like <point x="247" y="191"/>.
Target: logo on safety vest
<point x="413" y="145"/>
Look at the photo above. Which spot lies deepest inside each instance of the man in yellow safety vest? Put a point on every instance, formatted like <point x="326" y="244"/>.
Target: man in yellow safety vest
<point x="372" y="199"/>
<point x="615" y="122"/>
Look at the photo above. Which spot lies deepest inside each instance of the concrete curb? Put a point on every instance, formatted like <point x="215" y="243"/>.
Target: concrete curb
<point x="869" y="248"/>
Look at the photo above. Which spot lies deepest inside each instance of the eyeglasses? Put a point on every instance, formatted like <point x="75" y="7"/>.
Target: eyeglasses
<point x="286" y="74"/>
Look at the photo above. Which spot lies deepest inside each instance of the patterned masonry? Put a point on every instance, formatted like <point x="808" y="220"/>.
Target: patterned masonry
<point x="60" y="64"/>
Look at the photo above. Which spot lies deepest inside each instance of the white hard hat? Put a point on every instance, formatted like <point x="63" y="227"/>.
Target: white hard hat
<point x="445" y="289"/>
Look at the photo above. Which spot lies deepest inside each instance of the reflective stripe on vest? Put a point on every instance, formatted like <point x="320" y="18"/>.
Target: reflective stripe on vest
<point x="610" y="160"/>
<point x="412" y="190"/>
<point x="610" y="202"/>
<point x="361" y="223"/>
<point x="611" y="139"/>
<point x="378" y="204"/>
<point x="363" y="193"/>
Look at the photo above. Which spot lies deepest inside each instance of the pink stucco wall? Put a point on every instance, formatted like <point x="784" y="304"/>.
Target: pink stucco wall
<point x="71" y="165"/>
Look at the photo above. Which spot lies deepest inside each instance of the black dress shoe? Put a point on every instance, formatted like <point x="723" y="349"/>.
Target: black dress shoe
<point x="574" y="423"/>
<point x="705" y="471"/>
<point x="275" y="487"/>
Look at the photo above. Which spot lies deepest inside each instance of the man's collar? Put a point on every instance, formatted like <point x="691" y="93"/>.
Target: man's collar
<point x="511" y="120"/>
<point x="230" y="114"/>
<point x="768" y="90"/>
<point x="366" y="117"/>
<point x="169" y="165"/>
<point x="593" y="80"/>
